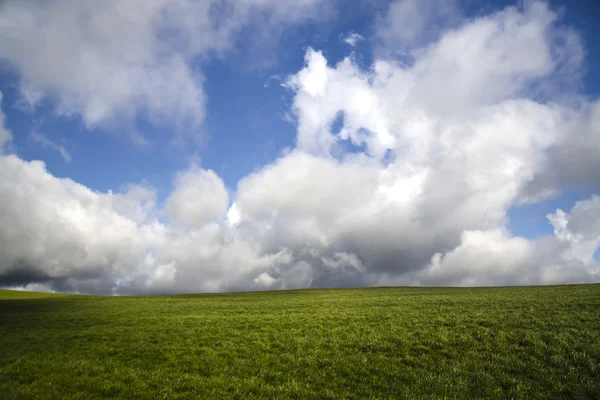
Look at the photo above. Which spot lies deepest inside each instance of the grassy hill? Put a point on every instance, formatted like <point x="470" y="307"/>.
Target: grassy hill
<point x="526" y="342"/>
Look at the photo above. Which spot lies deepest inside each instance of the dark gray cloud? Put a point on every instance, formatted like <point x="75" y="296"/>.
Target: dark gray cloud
<point x="573" y="162"/>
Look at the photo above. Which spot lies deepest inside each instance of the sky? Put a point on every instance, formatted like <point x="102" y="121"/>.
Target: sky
<point x="216" y="145"/>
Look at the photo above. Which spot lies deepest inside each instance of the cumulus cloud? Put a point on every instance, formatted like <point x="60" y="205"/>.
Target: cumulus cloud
<point x="493" y="257"/>
<point x="56" y="229"/>
<point x="111" y="61"/>
<point x="489" y="257"/>
<point x="60" y="234"/>
<point x="413" y="188"/>
<point x="578" y="230"/>
<point x="199" y="197"/>
<point x="445" y="144"/>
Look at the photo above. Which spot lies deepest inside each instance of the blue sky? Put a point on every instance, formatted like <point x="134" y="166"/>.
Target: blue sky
<point x="234" y="102"/>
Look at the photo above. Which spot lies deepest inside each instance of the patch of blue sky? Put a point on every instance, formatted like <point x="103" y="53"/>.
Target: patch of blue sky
<point x="530" y="220"/>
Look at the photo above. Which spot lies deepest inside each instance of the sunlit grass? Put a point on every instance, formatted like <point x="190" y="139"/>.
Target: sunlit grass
<point x="531" y="342"/>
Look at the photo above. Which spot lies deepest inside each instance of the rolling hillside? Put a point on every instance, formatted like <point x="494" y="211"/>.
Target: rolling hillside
<point x="522" y="342"/>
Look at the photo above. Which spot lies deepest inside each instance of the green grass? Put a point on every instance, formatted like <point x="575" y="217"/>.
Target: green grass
<point x="529" y="342"/>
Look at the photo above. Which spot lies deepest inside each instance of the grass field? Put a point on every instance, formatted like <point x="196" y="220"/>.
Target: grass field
<point x="529" y="342"/>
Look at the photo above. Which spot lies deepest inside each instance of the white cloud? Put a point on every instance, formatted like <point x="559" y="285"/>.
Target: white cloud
<point x="199" y="197"/>
<point x="101" y="60"/>
<point x="57" y="233"/>
<point x="579" y="230"/>
<point x="304" y="186"/>
<point x="56" y="229"/>
<point x="353" y="38"/>
<point x="343" y="260"/>
<point x="264" y="281"/>
<point x="322" y="93"/>
<point x="495" y="258"/>
<point x="233" y="215"/>
<point x="163" y="277"/>
<point x="111" y="61"/>
<point x="452" y="140"/>
<point x="33" y="287"/>
<point x="490" y="257"/>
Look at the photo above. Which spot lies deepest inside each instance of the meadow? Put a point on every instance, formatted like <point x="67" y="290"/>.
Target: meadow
<point x="377" y="343"/>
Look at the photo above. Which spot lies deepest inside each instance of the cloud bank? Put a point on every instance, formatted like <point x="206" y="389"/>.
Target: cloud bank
<point x="109" y="62"/>
<point x="402" y="173"/>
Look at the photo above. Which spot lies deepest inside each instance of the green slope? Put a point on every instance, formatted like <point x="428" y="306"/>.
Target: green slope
<point x="529" y="342"/>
